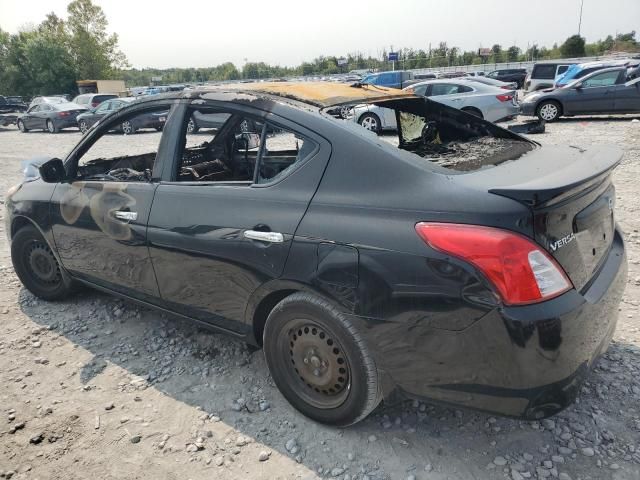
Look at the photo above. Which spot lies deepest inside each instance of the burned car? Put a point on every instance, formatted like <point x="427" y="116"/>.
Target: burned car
<point x="462" y="263"/>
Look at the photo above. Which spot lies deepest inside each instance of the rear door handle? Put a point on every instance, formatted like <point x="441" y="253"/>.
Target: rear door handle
<point x="128" y="216"/>
<point x="271" y="237"/>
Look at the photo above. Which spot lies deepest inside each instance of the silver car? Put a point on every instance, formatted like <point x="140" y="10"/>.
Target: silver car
<point x="484" y="101"/>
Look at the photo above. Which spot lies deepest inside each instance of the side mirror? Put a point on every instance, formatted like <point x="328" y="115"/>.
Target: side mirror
<point x="52" y="171"/>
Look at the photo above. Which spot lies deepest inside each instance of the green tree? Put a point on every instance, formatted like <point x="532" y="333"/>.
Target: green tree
<point x="574" y="46"/>
<point x="513" y="53"/>
<point x="95" y="51"/>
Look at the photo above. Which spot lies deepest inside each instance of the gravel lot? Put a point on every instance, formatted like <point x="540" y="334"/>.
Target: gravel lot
<point x="95" y="387"/>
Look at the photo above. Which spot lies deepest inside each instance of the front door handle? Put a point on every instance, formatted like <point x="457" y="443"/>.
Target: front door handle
<point x="127" y="216"/>
<point x="271" y="237"/>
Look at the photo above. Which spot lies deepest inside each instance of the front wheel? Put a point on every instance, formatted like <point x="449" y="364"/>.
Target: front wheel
<point x="37" y="267"/>
<point x="22" y="127"/>
<point x="320" y="362"/>
<point x="548" y="111"/>
<point x="83" y="126"/>
<point x="192" y="126"/>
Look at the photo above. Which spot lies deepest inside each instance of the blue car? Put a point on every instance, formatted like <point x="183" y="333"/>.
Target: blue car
<point x="396" y="79"/>
<point x="577" y="71"/>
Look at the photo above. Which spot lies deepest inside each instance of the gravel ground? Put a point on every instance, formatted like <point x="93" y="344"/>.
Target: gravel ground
<point x="95" y="387"/>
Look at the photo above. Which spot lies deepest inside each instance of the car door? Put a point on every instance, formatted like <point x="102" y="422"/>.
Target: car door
<point x="214" y="239"/>
<point x="99" y="216"/>
<point x="446" y="93"/>
<point x="595" y="94"/>
<point x="29" y="119"/>
<point x="101" y="110"/>
<point x="627" y="96"/>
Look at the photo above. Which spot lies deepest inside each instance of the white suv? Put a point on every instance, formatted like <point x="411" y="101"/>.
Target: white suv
<point x="544" y="74"/>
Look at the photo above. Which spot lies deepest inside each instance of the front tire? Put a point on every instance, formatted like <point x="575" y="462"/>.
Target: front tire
<point x="84" y="128"/>
<point x="22" y="127"/>
<point x="549" y="111"/>
<point x="37" y="267"/>
<point x="320" y="361"/>
<point x="192" y="126"/>
<point x="371" y="122"/>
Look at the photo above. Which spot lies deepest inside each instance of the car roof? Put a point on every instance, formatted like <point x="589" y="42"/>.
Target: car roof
<point x="319" y="94"/>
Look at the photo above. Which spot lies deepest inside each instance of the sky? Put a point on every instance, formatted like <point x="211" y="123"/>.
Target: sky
<point x="191" y="33"/>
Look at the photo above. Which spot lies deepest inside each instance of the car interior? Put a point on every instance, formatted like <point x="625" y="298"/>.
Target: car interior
<point x="244" y="149"/>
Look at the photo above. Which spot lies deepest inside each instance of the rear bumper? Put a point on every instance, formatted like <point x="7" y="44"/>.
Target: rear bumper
<point x="526" y="361"/>
<point x="66" y="122"/>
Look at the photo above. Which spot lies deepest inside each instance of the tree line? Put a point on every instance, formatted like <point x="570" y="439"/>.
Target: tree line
<point x="50" y="57"/>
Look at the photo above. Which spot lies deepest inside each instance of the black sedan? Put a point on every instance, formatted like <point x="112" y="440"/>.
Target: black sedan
<point x="50" y="117"/>
<point x="606" y="91"/>
<point x="155" y="120"/>
<point x="466" y="265"/>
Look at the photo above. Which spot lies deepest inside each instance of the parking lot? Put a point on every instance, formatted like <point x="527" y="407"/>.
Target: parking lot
<point x="100" y="388"/>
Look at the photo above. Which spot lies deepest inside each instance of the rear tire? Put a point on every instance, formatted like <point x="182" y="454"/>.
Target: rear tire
<point x="128" y="128"/>
<point x="37" y="267"/>
<point x="51" y="127"/>
<point x="84" y="128"/>
<point x="320" y="361"/>
<point x="192" y="126"/>
<point x="371" y="122"/>
<point x="549" y="111"/>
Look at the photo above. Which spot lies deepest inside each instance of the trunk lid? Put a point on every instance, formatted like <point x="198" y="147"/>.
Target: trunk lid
<point x="572" y="198"/>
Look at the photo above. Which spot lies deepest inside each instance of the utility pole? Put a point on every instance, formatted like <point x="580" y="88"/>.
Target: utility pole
<point x="580" y="19"/>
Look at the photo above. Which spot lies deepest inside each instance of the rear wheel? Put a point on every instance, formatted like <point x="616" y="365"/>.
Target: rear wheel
<point x="549" y="111"/>
<point x="37" y="267"/>
<point x="83" y="126"/>
<point x="128" y="128"/>
<point x="21" y="126"/>
<point x="371" y="122"/>
<point x="51" y="127"/>
<point x="320" y="362"/>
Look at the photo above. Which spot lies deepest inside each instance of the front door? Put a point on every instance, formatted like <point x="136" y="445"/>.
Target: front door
<point x="224" y="224"/>
<point x="99" y="217"/>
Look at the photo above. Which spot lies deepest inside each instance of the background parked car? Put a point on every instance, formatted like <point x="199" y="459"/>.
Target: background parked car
<point x="155" y="120"/>
<point x="48" y="99"/>
<point x="604" y="91"/>
<point x="493" y="82"/>
<point x="475" y="74"/>
<point x="92" y="100"/>
<point x="510" y="75"/>
<point x="397" y="79"/>
<point x="484" y="101"/>
<point x="51" y="117"/>
<point x="12" y="104"/>
<point x="580" y="70"/>
<point x="544" y="74"/>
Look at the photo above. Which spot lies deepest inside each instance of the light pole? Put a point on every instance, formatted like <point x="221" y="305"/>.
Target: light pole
<point x="580" y="19"/>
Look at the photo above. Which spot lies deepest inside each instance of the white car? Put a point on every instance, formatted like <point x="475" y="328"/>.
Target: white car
<point x="485" y="101"/>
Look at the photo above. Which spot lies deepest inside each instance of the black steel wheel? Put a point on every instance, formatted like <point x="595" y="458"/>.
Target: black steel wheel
<point x="319" y="361"/>
<point x="36" y="265"/>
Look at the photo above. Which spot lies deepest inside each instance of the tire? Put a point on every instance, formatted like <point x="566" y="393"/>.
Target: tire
<point x="128" y="128"/>
<point x="51" y="127"/>
<point x="549" y="110"/>
<point x="320" y="361"/>
<point x="371" y="122"/>
<point x="159" y="128"/>
<point x="473" y="111"/>
<point x="84" y="128"/>
<point x="37" y="267"/>
<point x="21" y="127"/>
<point x="192" y="126"/>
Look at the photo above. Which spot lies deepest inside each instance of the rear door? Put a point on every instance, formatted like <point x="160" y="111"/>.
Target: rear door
<point x="627" y="97"/>
<point x="221" y="227"/>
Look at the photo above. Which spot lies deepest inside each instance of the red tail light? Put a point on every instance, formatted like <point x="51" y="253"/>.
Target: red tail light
<point x="63" y="114"/>
<point x="504" y="97"/>
<point x="519" y="269"/>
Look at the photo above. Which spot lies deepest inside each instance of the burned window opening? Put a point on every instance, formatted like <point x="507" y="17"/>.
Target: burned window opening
<point x="442" y="135"/>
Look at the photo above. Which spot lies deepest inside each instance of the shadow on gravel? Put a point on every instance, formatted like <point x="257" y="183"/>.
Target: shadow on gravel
<point x="224" y="377"/>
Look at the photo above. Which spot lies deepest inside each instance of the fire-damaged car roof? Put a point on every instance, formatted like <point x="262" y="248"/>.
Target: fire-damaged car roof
<point x="319" y="94"/>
